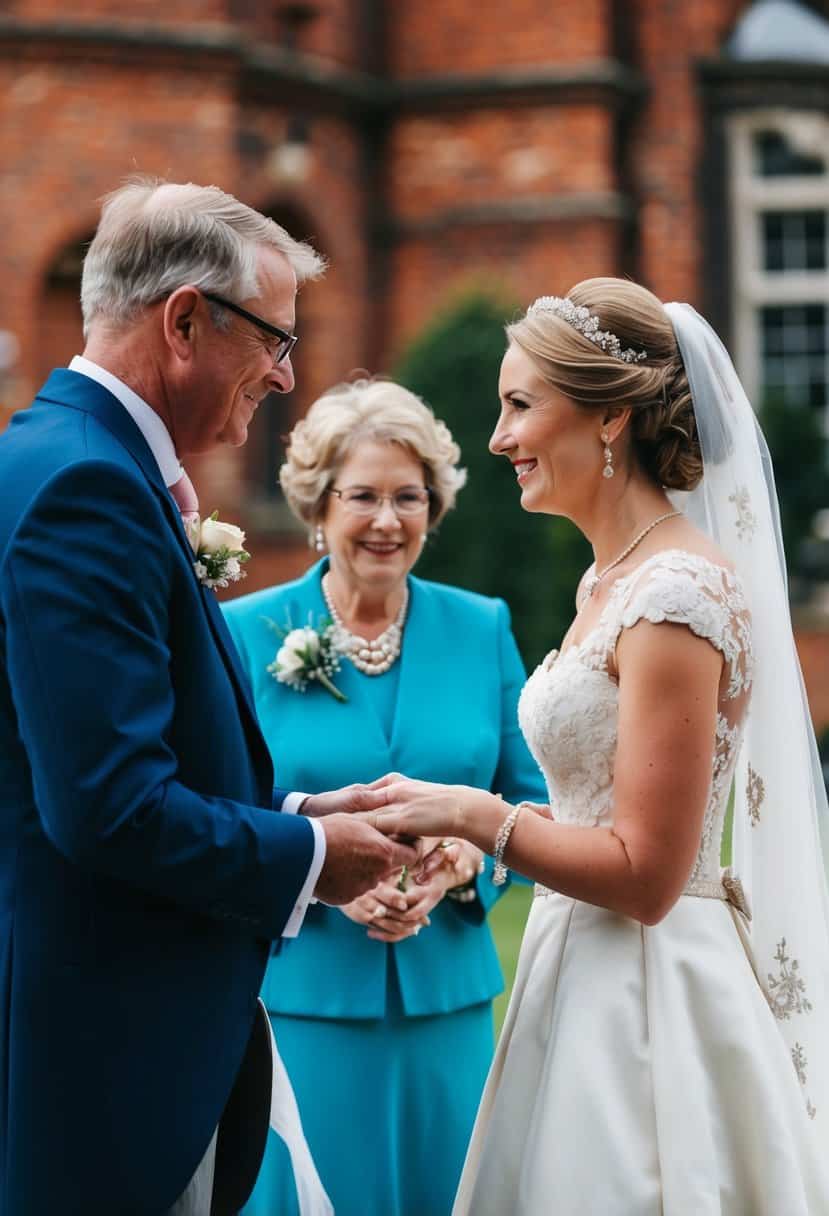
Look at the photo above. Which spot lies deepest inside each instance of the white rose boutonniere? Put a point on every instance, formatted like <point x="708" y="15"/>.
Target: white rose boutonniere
<point x="307" y="654"/>
<point x="219" y="550"/>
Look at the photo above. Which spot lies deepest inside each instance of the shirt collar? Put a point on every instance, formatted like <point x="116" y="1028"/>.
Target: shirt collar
<point x="144" y="416"/>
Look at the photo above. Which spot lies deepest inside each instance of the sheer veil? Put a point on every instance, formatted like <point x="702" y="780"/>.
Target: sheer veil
<point x="781" y="819"/>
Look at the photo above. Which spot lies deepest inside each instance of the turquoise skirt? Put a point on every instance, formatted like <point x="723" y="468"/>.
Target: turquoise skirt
<point x="387" y="1106"/>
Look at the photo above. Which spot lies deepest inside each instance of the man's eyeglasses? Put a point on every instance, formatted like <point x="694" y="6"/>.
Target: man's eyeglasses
<point x="361" y="501"/>
<point x="287" y="341"/>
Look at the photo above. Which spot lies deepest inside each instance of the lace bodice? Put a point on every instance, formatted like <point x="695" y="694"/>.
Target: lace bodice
<point x="569" y="706"/>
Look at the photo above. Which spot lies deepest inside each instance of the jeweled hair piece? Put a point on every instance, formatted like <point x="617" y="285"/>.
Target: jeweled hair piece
<point x="582" y="320"/>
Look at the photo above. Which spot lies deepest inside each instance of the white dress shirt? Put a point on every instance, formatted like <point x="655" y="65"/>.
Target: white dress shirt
<point x="161" y="445"/>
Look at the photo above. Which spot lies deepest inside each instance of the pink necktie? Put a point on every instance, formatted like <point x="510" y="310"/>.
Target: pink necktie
<point x="184" y="493"/>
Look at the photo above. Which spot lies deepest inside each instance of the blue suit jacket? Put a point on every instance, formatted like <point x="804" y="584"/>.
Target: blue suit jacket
<point x="455" y="721"/>
<point x="142" y="867"/>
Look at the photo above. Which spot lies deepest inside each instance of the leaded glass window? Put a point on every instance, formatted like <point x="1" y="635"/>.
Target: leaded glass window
<point x="793" y="240"/>
<point x="795" y="354"/>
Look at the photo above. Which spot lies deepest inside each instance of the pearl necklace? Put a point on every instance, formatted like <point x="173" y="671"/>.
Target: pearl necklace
<point x="371" y="656"/>
<point x="593" y="580"/>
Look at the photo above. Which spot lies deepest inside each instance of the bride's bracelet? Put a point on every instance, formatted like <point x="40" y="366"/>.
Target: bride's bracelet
<point x="499" y="871"/>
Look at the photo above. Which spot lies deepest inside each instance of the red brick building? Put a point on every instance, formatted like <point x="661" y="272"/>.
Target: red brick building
<point x="422" y="147"/>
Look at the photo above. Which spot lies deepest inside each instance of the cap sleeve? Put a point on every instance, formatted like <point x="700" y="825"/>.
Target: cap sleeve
<point x="688" y="589"/>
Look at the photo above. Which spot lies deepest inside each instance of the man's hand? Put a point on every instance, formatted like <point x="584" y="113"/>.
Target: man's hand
<point x="357" y="857"/>
<point x="348" y="799"/>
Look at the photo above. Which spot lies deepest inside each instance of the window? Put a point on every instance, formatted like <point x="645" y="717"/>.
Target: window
<point x="793" y="240"/>
<point x="780" y="226"/>
<point x="774" y="156"/>
<point x="795" y="353"/>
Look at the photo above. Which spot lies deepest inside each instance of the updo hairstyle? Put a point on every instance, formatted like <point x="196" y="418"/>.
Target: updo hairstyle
<point x="663" y="429"/>
<point x="368" y="410"/>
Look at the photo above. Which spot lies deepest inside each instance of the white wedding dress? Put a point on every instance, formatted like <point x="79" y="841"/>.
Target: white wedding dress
<point x="640" y="1071"/>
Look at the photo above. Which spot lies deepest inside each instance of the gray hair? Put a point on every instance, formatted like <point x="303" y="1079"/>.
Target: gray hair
<point x="155" y="236"/>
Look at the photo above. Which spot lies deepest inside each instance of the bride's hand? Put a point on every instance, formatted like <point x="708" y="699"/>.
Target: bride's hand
<point x="418" y="808"/>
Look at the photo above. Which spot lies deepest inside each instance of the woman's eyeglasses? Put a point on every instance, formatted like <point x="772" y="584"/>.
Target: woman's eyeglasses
<point x="362" y="501"/>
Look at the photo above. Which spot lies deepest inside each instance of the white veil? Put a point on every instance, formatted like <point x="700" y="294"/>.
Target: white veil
<point x="781" y="819"/>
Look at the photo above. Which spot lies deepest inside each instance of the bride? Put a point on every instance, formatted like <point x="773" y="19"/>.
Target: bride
<point x="666" y="1046"/>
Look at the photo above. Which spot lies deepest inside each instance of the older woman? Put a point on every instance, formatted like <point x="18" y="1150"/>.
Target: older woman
<point x="382" y="1008"/>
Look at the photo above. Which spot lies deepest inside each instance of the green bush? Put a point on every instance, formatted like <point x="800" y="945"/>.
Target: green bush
<point x="488" y="543"/>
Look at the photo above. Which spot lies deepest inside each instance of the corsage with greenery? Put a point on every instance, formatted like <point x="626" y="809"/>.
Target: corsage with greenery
<point x="306" y="655"/>
<point x="219" y="550"/>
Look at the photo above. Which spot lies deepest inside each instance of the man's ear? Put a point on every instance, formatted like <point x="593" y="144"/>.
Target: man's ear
<point x="184" y="313"/>
<point x="615" y="420"/>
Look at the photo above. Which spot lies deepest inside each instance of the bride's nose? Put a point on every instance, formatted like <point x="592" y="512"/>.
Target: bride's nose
<point x="500" y="442"/>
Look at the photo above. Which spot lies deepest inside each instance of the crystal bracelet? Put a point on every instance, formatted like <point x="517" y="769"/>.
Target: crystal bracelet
<point x="499" y="871"/>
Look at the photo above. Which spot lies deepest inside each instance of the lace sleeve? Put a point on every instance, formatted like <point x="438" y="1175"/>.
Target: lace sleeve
<point x="687" y="589"/>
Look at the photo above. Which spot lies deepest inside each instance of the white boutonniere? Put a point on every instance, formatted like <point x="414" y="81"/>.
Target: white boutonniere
<point x="307" y="655"/>
<point x="219" y="551"/>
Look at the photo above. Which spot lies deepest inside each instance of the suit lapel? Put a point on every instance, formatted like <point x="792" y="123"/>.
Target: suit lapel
<point x="69" y="388"/>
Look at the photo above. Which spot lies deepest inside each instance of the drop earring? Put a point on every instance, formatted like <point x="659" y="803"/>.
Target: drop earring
<point x="608" y="469"/>
<point x="319" y="539"/>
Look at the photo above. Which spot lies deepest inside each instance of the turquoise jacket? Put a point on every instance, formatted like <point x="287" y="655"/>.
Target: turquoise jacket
<point x="455" y="721"/>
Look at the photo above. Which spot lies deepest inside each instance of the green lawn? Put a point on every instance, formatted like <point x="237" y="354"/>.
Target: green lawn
<point x="507" y="921"/>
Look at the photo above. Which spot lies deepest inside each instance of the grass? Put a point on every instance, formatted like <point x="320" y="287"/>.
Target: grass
<point x="507" y="920"/>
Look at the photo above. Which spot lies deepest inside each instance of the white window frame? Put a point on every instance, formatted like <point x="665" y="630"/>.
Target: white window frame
<point x="749" y="195"/>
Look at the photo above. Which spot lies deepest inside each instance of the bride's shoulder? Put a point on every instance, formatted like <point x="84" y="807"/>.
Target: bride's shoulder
<point x="699" y="564"/>
<point x="695" y="586"/>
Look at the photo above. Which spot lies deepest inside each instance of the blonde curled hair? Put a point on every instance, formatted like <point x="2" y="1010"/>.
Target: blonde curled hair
<point x="378" y="411"/>
<point x="663" y="429"/>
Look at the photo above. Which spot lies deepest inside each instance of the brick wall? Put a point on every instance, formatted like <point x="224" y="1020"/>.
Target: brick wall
<point x="666" y="141"/>
<point x="422" y="147"/>
<point x="463" y="36"/>
<point x="69" y="132"/>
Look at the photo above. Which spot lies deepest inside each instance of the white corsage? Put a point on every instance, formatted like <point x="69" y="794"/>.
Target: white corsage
<point x="219" y="551"/>
<point x="307" y="654"/>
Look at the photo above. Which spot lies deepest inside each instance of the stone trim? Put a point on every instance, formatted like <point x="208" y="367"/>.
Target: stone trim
<point x="730" y="85"/>
<point x="603" y="81"/>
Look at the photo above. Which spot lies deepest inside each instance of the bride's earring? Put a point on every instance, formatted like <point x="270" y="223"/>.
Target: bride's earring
<point x="319" y="539"/>
<point x="608" y="469"/>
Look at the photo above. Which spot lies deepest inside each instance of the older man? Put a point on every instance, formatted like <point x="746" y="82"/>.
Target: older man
<point x="143" y="870"/>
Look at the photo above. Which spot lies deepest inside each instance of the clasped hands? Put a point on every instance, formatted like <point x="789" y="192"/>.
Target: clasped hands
<point x="385" y="866"/>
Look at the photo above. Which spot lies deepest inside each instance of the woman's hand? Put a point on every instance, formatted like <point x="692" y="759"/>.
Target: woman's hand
<point x="384" y="911"/>
<point x="424" y="895"/>
<point x="418" y="808"/>
<point x="394" y="911"/>
<point x="422" y="808"/>
<point x="460" y="859"/>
